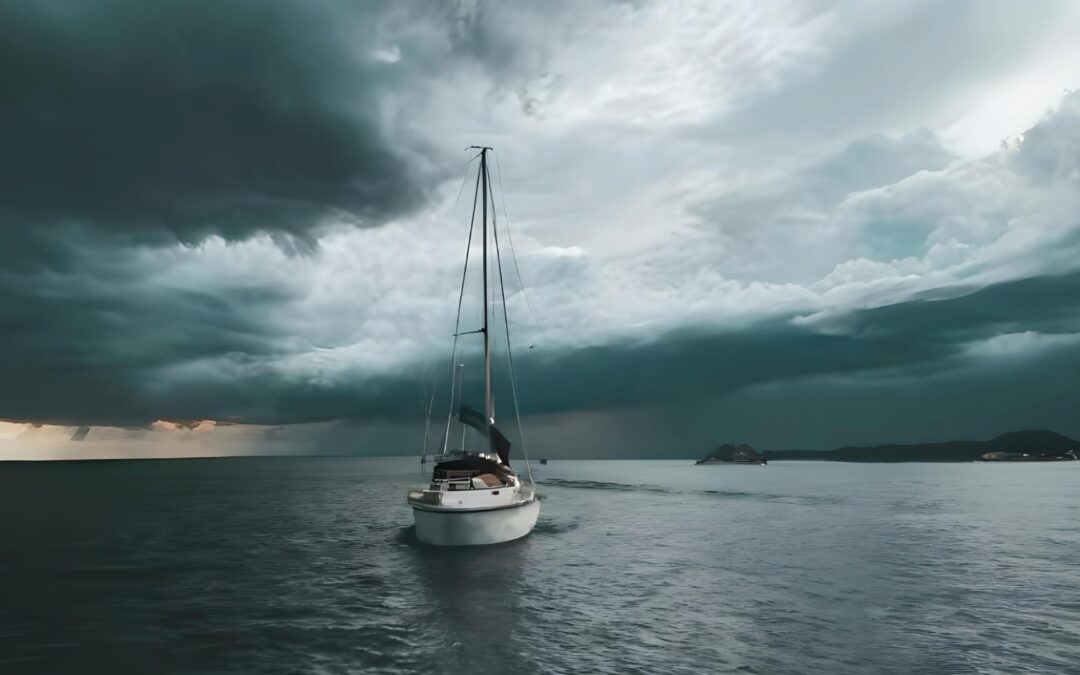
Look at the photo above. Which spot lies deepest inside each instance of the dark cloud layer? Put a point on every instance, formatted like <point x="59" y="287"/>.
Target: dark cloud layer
<point x="91" y="340"/>
<point x="114" y="360"/>
<point x="919" y="335"/>
<point x="192" y="118"/>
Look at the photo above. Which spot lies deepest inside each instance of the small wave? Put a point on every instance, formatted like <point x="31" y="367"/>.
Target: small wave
<point x="733" y="494"/>
<point x="720" y="494"/>
<point x="767" y="497"/>
<point x="406" y="535"/>
<point x="556" y="526"/>
<point x="602" y="485"/>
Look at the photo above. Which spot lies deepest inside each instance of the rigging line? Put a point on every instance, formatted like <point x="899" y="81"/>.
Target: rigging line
<point x="427" y="421"/>
<point x="421" y="386"/>
<point x="513" y="254"/>
<point x="427" y="418"/>
<point x="457" y="321"/>
<point x="464" y="177"/>
<point x="510" y="352"/>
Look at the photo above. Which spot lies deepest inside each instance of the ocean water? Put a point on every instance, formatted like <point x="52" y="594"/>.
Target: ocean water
<point x="309" y="565"/>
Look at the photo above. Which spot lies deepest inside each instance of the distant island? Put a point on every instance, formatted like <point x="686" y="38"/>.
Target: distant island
<point x="733" y="454"/>
<point x="1017" y="446"/>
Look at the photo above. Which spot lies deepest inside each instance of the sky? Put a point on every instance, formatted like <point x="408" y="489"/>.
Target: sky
<point x="239" y="228"/>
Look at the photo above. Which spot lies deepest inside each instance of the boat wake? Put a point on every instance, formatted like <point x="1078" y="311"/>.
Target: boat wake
<point x="719" y="494"/>
<point x="556" y="526"/>
<point x="601" y="485"/>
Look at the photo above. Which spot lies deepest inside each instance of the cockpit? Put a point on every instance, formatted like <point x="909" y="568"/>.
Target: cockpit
<point x="471" y="472"/>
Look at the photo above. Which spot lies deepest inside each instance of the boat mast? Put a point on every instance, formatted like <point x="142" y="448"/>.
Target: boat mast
<point x="488" y="412"/>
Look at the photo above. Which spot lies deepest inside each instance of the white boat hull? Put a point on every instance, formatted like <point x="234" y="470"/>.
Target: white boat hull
<point x="460" y="527"/>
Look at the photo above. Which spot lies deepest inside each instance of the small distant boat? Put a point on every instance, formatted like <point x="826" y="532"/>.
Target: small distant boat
<point x="543" y="461"/>
<point x="475" y="498"/>
<point x="733" y="454"/>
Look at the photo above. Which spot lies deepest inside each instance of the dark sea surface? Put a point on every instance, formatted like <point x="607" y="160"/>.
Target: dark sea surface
<point x="309" y="565"/>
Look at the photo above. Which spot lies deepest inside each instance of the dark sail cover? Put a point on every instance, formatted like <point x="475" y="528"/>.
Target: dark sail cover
<point x="475" y="419"/>
<point x="472" y="463"/>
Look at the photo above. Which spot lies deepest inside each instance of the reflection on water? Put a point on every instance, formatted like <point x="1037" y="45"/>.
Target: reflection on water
<point x="474" y="600"/>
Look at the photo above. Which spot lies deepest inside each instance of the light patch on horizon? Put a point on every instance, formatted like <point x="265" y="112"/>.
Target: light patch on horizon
<point x="163" y="439"/>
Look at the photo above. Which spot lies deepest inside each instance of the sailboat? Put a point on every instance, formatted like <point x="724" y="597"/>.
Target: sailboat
<point x="474" y="497"/>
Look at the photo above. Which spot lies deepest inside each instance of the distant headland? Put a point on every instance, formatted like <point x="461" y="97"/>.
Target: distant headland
<point x="733" y="454"/>
<point x="1013" y="446"/>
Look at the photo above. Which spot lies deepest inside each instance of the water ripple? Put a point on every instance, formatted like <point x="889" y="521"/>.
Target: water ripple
<point x="312" y="565"/>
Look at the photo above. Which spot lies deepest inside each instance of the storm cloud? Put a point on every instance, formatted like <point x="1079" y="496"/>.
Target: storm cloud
<point x="196" y="118"/>
<point x="249" y="213"/>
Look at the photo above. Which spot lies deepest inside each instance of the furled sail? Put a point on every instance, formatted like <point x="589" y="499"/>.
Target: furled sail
<point x="475" y="419"/>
